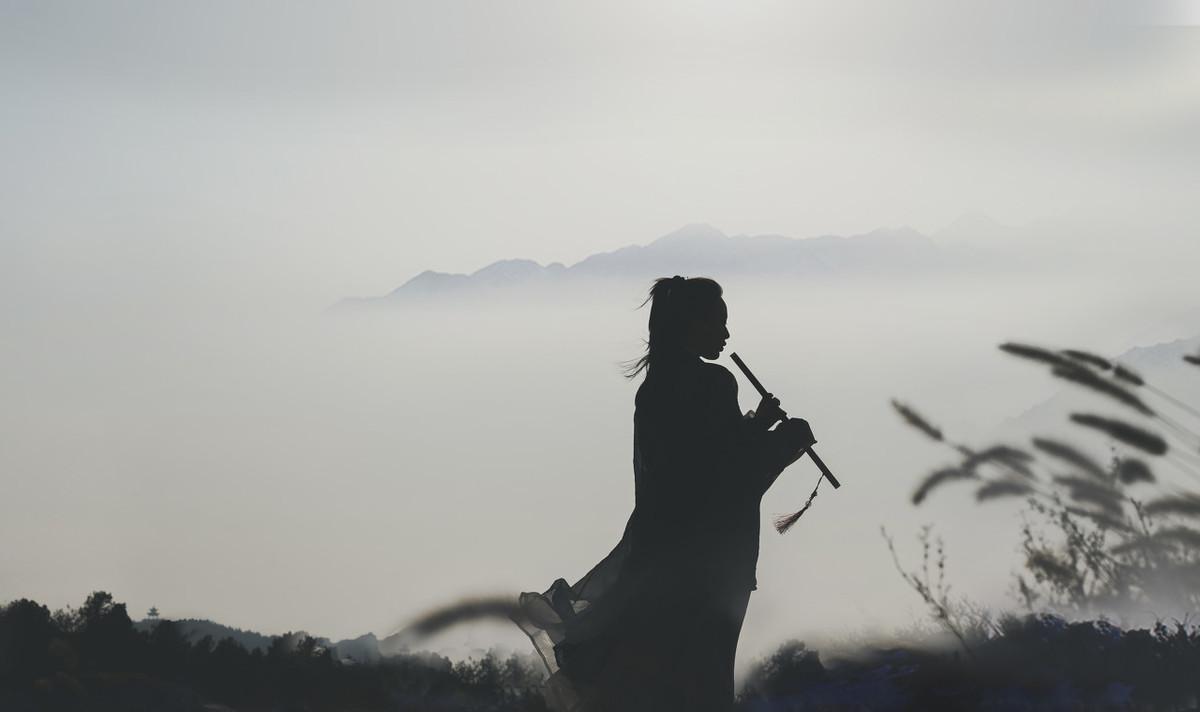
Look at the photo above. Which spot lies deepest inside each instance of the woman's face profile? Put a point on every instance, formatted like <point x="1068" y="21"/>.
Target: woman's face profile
<point x="707" y="332"/>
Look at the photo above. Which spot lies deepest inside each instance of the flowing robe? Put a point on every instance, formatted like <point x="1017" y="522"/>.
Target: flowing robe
<point x="654" y="625"/>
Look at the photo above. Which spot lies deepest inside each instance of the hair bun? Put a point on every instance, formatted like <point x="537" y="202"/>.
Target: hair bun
<point x="667" y="286"/>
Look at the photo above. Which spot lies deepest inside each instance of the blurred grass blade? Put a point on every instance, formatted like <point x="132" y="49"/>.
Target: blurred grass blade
<point x="1034" y="353"/>
<point x="914" y="419"/>
<point x="1187" y="505"/>
<point x="935" y="479"/>
<point x="1089" y="358"/>
<point x="1121" y="431"/>
<point x="1003" y="488"/>
<point x="1088" y="379"/>
<point x="1065" y="452"/>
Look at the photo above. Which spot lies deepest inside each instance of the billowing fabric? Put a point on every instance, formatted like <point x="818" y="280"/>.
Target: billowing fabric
<point x="654" y="625"/>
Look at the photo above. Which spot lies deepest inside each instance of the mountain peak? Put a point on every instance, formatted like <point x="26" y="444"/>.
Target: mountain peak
<point x="696" y="248"/>
<point x="510" y="267"/>
<point x="692" y="232"/>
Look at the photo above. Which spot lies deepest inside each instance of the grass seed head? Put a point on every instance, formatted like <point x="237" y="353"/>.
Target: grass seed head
<point x="1089" y="491"/>
<point x="1034" y="353"/>
<point x="1186" y="505"/>
<point x="1090" y="359"/>
<point x="937" y="478"/>
<point x="1089" y="379"/>
<point x="1130" y="470"/>
<point x="1015" y="458"/>
<point x="1126" y="433"/>
<point x="1002" y="488"/>
<point x="1127" y="375"/>
<point x="914" y="419"/>
<point x="1067" y="453"/>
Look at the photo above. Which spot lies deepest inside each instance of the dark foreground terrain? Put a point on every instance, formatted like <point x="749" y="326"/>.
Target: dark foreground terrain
<point x="97" y="658"/>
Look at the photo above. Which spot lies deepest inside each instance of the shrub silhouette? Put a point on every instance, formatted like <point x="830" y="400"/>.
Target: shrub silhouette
<point x="1033" y="662"/>
<point x="1105" y="539"/>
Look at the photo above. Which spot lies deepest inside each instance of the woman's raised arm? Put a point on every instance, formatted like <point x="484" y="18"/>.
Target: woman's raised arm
<point x="742" y="444"/>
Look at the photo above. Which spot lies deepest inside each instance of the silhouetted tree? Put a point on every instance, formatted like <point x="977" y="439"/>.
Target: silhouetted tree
<point x="107" y="640"/>
<point x="26" y="634"/>
<point x="169" y="650"/>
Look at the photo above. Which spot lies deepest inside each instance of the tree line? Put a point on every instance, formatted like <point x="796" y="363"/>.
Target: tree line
<point x="94" y="658"/>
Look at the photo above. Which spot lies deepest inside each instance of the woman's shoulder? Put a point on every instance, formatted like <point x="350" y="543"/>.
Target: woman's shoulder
<point x="718" y="375"/>
<point x="707" y="377"/>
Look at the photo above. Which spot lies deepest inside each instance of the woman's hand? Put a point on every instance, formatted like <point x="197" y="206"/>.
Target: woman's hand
<point x="768" y="412"/>
<point x="797" y="433"/>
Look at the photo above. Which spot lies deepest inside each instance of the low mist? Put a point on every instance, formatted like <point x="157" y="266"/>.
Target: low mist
<point x="279" y="465"/>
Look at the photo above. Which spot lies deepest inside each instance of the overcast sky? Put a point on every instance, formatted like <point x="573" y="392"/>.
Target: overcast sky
<point x="184" y="187"/>
<point x="347" y="150"/>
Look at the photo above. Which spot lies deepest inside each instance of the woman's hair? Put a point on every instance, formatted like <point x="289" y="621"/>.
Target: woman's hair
<point x="672" y="301"/>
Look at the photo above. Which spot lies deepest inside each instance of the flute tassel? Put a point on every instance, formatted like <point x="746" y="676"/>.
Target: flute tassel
<point x="782" y="524"/>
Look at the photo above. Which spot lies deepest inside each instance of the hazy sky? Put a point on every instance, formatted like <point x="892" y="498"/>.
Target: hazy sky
<point x="186" y="186"/>
<point x="345" y="150"/>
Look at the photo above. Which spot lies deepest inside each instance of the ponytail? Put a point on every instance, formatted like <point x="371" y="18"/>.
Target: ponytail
<point x="672" y="301"/>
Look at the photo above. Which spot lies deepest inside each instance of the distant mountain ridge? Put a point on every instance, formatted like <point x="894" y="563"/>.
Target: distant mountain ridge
<point x="195" y="629"/>
<point x="366" y="648"/>
<point x="696" y="249"/>
<point x="362" y="649"/>
<point x="1162" y="366"/>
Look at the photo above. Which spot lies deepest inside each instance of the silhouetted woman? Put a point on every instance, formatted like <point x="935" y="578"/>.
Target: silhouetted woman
<point x="655" y="625"/>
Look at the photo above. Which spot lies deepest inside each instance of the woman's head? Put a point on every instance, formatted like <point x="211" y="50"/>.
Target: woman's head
<point x="687" y="318"/>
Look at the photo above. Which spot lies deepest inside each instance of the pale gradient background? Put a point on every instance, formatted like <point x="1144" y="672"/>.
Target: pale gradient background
<point x="185" y="188"/>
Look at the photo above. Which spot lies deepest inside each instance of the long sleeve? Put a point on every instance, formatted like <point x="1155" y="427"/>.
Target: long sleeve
<point x="746" y="451"/>
<point x="700" y="472"/>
